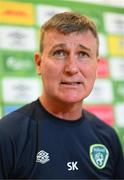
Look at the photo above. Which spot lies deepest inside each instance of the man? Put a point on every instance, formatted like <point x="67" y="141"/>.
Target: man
<point x="53" y="137"/>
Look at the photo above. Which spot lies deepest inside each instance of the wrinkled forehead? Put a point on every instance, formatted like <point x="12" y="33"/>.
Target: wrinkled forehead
<point x="54" y="36"/>
<point x="73" y="39"/>
<point x="58" y="34"/>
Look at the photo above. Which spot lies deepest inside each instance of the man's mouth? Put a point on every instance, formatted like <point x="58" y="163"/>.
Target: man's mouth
<point x="71" y="83"/>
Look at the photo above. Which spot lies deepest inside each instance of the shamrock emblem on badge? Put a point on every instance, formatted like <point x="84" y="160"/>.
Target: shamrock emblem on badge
<point x="99" y="155"/>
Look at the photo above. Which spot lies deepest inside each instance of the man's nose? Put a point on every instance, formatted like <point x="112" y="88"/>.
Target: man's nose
<point x="71" y="66"/>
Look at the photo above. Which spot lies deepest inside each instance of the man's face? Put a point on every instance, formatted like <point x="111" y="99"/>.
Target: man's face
<point x="67" y="65"/>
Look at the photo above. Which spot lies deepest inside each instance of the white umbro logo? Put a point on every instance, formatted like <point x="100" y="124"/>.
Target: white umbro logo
<point x="42" y="157"/>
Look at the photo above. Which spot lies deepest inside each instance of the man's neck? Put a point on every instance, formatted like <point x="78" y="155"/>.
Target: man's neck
<point x="66" y="111"/>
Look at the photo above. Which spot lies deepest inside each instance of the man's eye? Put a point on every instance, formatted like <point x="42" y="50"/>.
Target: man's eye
<point x="83" y="54"/>
<point x="59" y="53"/>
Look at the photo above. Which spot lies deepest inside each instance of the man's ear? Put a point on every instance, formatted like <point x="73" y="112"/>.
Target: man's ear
<point x="38" y="60"/>
<point x="98" y="59"/>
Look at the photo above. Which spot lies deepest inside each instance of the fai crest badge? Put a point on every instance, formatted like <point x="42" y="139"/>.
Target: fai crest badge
<point x="99" y="155"/>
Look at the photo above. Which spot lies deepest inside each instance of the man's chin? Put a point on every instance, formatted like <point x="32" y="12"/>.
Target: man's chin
<point x="72" y="99"/>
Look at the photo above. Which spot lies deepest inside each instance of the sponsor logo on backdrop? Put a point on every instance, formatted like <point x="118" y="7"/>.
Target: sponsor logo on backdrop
<point x="20" y="90"/>
<point x="117" y="68"/>
<point x="114" y="23"/>
<point x="18" y="38"/>
<point x="104" y="112"/>
<point x="17" y="13"/>
<point x="119" y="114"/>
<point x="18" y="62"/>
<point x="44" y="12"/>
<point x="116" y="45"/>
<point x="102" y="92"/>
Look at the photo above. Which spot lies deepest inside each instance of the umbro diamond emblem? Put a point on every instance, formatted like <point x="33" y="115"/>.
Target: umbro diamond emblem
<point x="99" y="155"/>
<point x="42" y="157"/>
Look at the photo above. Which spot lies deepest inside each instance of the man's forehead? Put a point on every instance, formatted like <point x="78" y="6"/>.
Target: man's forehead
<point x="57" y="39"/>
<point x="55" y="35"/>
<point x="56" y="31"/>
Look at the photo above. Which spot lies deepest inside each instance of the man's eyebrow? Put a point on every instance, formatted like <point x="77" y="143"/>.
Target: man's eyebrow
<point x="62" y="45"/>
<point x="84" y="47"/>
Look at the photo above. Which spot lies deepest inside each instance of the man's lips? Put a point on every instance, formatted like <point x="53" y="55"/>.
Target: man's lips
<point x="71" y="83"/>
